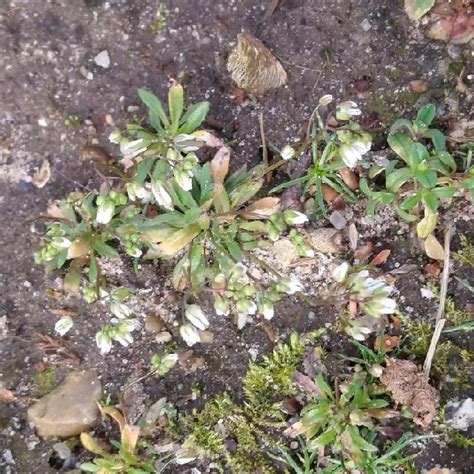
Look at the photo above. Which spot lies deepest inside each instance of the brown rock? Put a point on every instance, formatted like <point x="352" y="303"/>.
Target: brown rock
<point x="285" y="252"/>
<point x="69" y="409"/>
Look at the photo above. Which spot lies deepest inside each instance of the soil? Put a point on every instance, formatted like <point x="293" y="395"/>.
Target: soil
<point x="49" y="76"/>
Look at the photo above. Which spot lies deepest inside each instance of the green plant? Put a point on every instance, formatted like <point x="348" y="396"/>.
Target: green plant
<point x="264" y="385"/>
<point x="426" y="175"/>
<point x="171" y="206"/>
<point x="417" y="8"/>
<point x="342" y="419"/>
<point x="333" y="151"/>
<point x="302" y="462"/>
<point x="466" y="254"/>
<point x="126" y="459"/>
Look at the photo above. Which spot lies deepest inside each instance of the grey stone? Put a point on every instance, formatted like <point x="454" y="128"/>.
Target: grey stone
<point x="70" y="408"/>
<point x="460" y="415"/>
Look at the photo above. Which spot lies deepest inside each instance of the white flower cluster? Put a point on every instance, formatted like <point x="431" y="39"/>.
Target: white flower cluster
<point x="371" y="296"/>
<point x="198" y="321"/>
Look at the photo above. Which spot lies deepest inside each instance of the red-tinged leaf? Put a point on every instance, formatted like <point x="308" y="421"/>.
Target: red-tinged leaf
<point x="381" y="257"/>
<point x="386" y="343"/>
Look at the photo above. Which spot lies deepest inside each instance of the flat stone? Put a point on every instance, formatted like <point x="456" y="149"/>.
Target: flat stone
<point x="326" y="240"/>
<point x="285" y="252"/>
<point x="460" y="415"/>
<point x="69" y="409"/>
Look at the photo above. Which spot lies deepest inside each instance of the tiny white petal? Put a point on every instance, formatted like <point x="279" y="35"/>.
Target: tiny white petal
<point x="63" y="325"/>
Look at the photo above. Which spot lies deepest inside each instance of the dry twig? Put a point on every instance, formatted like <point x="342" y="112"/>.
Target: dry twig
<point x="440" y="319"/>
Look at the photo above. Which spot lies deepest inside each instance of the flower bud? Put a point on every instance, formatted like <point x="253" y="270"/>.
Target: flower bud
<point x="326" y="99"/>
<point x="294" y="217"/>
<point x="287" y="152"/>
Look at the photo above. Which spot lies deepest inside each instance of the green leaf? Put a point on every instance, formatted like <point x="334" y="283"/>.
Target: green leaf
<point x="445" y="192"/>
<point x="143" y="169"/>
<point x="155" y="108"/>
<point x="398" y="178"/>
<point x="410" y="202"/>
<point x="427" y="225"/>
<point x="160" y="173"/>
<point x="196" y="256"/>
<point x="93" y="270"/>
<point x="401" y="145"/>
<point x="417" y="8"/>
<point x="244" y="192"/>
<point x="428" y="112"/>
<point x="234" y="250"/>
<point x="360" y="442"/>
<point x="322" y="384"/>
<point x="72" y="281"/>
<point x="430" y="201"/>
<point x="437" y="138"/>
<point x="184" y="196"/>
<point x="427" y="178"/>
<point x="448" y="160"/>
<point x="322" y="440"/>
<point x="405" y="215"/>
<point x="89" y="467"/>
<point x="193" y="117"/>
<point x="176" y="104"/>
<point x="105" y="250"/>
<point x="418" y="154"/>
<point x="203" y="175"/>
<point x="121" y="293"/>
<point x="401" y="123"/>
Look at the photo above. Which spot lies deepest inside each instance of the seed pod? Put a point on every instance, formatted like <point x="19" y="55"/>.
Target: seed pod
<point x="253" y="67"/>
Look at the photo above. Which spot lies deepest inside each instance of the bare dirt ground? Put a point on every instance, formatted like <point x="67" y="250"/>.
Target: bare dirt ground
<point x="48" y="75"/>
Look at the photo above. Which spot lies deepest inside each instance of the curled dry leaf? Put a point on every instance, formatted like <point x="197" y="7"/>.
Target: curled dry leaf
<point x="220" y="165"/>
<point x="264" y="207"/>
<point x="353" y="236"/>
<point x="433" y="248"/>
<point x="381" y="257"/>
<point x="409" y="386"/>
<point x="296" y="429"/>
<point x="253" y="67"/>
<point x="41" y="177"/>
<point x="364" y="252"/>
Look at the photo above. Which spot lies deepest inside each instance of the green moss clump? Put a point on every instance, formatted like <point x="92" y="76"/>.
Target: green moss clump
<point x="466" y="254"/>
<point x="230" y="434"/>
<point x="45" y="381"/>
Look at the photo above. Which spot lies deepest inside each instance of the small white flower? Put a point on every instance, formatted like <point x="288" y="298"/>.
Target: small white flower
<point x="120" y="310"/>
<point x="351" y="153"/>
<point x="287" y="152"/>
<point x="115" y="137"/>
<point x="339" y="274"/>
<point x="245" y="306"/>
<point x="376" y="370"/>
<point x="326" y="99"/>
<point x="105" y="212"/>
<point x="267" y="309"/>
<point x="221" y="305"/>
<point x="294" y="217"/>
<point x="190" y="334"/>
<point x="290" y="286"/>
<point x="379" y="306"/>
<point x="427" y="293"/>
<point x="308" y="252"/>
<point x="61" y="242"/>
<point x="187" y="143"/>
<point x="196" y="317"/>
<point x="241" y="320"/>
<point x="185" y="455"/>
<point x="161" y="195"/>
<point x="133" y="148"/>
<point x="138" y="191"/>
<point x="184" y="179"/>
<point x="346" y="110"/>
<point x="63" y="325"/>
<point x="103" y="341"/>
<point x="358" y="332"/>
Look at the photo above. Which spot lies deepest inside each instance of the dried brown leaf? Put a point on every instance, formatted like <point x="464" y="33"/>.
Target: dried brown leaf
<point x="262" y="208"/>
<point x="363" y="253"/>
<point x="409" y="386"/>
<point x="220" y="164"/>
<point x="433" y="248"/>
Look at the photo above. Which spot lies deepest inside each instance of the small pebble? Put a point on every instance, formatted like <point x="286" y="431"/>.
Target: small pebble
<point x="103" y="59"/>
<point x="163" y="337"/>
<point x="365" y="25"/>
<point x="338" y="220"/>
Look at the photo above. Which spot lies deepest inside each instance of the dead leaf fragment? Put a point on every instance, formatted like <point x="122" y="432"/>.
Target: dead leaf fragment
<point x="432" y="269"/>
<point x="433" y="248"/>
<point x="386" y="343"/>
<point x="409" y="386"/>
<point x="95" y="153"/>
<point x="350" y="178"/>
<point x="42" y="176"/>
<point x="264" y="207"/>
<point x="296" y="429"/>
<point x="253" y="67"/>
<point x="363" y="253"/>
<point x="381" y="257"/>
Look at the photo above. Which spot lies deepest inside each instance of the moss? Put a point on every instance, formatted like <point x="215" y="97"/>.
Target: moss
<point x="466" y="254"/>
<point x="229" y="434"/>
<point x="45" y="381"/>
<point x="390" y="104"/>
